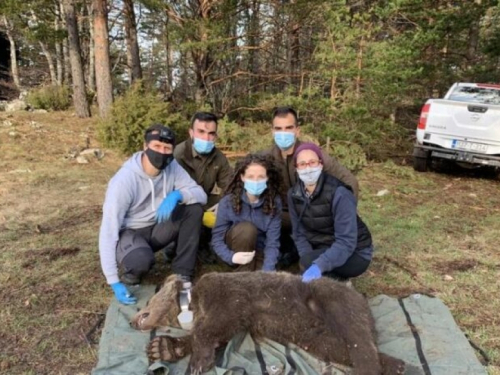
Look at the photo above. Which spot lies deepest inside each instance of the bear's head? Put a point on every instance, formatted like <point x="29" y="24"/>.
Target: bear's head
<point x="162" y="309"/>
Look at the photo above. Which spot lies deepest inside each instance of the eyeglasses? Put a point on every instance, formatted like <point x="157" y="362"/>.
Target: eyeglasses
<point x="310" y="163"/>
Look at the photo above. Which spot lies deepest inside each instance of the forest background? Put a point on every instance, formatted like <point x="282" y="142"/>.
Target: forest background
<point x="355" y="70"/>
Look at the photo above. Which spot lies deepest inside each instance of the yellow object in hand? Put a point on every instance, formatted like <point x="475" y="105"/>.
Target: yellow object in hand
<point x="209" y="219"/>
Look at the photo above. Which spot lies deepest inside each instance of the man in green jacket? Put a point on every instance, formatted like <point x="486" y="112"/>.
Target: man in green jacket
<point x="286" y="131"/>
<point x="209" y="167"/>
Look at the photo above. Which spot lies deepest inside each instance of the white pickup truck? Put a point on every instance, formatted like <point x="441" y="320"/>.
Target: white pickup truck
<point x="463" y="127"/>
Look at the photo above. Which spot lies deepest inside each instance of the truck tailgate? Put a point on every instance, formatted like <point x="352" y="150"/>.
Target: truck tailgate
<point x="461" y="125"/>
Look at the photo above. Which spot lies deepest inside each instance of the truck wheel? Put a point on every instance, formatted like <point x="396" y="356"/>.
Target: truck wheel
<point x="420" y="164"/>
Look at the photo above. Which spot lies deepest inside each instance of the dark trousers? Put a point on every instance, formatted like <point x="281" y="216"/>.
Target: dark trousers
<point x="136" y="247"/>
<point x="288" y="251"/>
<point x="354" y="266"/>
<point x="243" y="237"/>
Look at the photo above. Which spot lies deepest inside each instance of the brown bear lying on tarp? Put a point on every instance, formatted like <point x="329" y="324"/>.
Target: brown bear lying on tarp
<point x="324" y="317"/>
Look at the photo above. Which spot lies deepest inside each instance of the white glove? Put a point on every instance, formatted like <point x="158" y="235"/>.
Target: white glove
<point x="243" y="257"/>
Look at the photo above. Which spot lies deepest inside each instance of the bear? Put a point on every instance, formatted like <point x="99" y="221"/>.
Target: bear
<point x="324" y="317"/>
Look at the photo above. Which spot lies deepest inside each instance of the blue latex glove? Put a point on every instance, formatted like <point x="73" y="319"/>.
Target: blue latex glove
<point x="123" y="295"/>
<point x="311" y="274"/>
<point x="168" y="205"/>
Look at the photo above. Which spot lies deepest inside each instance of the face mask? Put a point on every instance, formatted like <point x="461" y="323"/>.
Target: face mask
<point x="158" y="160"/>
<point x="255" y="187"/>
<point x="310" y="176"/>
<point x="284" y="140"/>
<point x="203" y="147"/>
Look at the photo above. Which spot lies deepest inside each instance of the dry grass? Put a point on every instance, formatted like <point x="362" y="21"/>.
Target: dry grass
<point x="53" y="294"/>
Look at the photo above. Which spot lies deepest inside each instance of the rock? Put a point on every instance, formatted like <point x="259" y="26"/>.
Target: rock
<point x="6" y="123"/>
<point x="15" y="105"/>
<point x="447" y="278"/>
<point x="381" y="193"/>
<point x="13" y="134"/>
<point x="35" y="125"/>
<point x="97" y="152"/>
<point x="40" y="111"/>
<point x="81" y="160"/>
<point x="23" y="94"/>
<point x="3" y="103"/>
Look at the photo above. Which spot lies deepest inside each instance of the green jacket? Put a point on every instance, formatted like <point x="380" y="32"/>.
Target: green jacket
<point x="330" y="166"/>
<point x="206" y="170"/>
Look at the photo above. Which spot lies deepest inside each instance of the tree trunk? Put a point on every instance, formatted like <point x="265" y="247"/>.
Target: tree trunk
<point x="65" y="50"/>
<point x="102" y="66"/>
<point x="253" y="42"/>
<point x="133" y="58"/>
<point x="13" y="56"/>
<point x="91" y="72"/>
<point x="168" y="60"/>
<point x="79" y="95"/>
<point x="59" y="52"/>
<point x="50" y="62"/>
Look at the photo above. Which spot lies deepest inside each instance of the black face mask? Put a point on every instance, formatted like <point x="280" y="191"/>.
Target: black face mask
<point x="158" y="160"/>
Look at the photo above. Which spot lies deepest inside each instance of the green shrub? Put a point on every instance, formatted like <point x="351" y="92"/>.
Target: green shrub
<point x="252" y="137"/>
<point x="51" y="98"/>
<point x="132" y="113"/>
<point x="350" y="155"/>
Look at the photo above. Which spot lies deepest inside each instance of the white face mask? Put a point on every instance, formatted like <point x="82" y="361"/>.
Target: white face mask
<point x="310" y="175"/>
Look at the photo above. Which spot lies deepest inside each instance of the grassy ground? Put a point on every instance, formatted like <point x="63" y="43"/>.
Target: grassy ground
<point x="435" y="233"/>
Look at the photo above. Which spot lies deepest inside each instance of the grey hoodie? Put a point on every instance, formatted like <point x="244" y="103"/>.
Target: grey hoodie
<point x="131" y="201"/>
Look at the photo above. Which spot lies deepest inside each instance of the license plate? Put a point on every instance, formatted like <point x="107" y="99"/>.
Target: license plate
<point x="469" y="146"/>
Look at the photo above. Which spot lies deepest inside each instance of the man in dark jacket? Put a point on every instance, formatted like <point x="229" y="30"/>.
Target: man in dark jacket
<point x="330" y="237"/>
<point x="208" y="166"/>
<point x="286" y="131"/>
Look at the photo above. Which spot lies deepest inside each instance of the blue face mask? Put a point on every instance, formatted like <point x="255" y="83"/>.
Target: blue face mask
<point x="203" y="147"/>
<point x="255" y="187"/>
<point x="284" y="140"/>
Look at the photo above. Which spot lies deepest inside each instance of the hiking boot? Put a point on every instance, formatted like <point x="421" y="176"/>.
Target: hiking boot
<point x="130" y="279"/>
<point x="169" y="252"/>
<point x="286" y="260"/>
<point x="206" y="255"/>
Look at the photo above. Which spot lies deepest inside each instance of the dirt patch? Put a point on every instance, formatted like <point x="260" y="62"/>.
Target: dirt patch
<point x="48" y="254"/>
<point x="77" y="217"/>
<point x="459" y="265"/>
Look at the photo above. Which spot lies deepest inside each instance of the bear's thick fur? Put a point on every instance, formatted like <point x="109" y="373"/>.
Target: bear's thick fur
<point x="324" y="317"/>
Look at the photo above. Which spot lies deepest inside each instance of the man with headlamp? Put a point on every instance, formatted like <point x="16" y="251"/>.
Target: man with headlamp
<point x="150" y="202"/>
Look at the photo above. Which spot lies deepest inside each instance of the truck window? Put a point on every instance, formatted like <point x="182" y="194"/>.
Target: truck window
<point x="483" y="95"/>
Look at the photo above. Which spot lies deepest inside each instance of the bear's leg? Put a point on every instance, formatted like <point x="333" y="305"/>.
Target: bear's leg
<point x="391" y="365"/>
<point x="208" y="334"/>
<point x="364" y="357"/>
<point x="169" y="349"/>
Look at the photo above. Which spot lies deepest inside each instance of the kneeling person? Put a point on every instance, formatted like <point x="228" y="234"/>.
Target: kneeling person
<point x="330" y="237"/>
<point x="248" y="225"/>
<point x="150" y="202"/>
<point x="209" y="167"/>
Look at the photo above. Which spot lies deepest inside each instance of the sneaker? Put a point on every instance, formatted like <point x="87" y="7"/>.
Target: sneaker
<point x="186" y="281"/>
